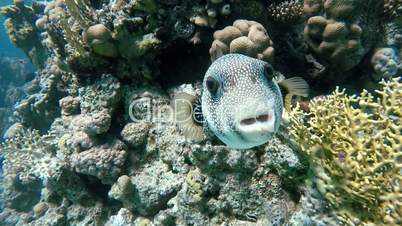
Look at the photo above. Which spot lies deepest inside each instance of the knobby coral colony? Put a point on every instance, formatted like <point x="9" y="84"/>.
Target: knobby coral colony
<point x="74" y="157"/>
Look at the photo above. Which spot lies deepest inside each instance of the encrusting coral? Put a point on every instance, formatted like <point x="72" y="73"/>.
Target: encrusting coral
<point x="354" y="144"/>
<point x="386" y="63"/>
<point x="104" y="162"/>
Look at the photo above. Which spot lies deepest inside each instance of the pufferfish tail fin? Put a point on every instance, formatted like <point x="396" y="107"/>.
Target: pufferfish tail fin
<point x="295" y="86"/>
<point x="186" y="107"/>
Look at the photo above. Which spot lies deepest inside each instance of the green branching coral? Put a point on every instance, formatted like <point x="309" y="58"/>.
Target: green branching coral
<point x="355" y="147"/>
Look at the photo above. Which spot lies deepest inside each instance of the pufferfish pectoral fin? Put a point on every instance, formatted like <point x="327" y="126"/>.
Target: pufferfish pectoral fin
<point x="295" y="86"/>
<point x="184" y="107"/>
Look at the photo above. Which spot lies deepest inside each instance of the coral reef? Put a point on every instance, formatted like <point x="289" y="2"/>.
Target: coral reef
<point x="246" y="37"/>
<point x="22" y="31"/>
<point x="392" y="8"/>
<point x="14" y="73"/>
<point x="286" y="12"/>
<point x="354" y="144"/>
<point x="207" y="16"/>
<point x="103" y="162"/>
<point x="40" y="107"/>
<point x="157" y="180"/>
<point x="90" y="138"/>
<point x="386" y="63"/>
<point x="336" y="37"/>
<point x="127" y="31"/>
<point x="21" y="186"/>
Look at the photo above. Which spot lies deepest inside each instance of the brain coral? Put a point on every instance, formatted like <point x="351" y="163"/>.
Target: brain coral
<point x="355" y="147"/>
<point x="245" y="37"/>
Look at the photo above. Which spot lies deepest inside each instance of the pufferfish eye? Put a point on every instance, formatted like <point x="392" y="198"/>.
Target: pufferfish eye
<point x="269" y="72"/>
<point x="212" y="85"/>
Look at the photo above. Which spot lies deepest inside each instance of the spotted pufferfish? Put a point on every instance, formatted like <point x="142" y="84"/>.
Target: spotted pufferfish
<point x="241" y="102"/>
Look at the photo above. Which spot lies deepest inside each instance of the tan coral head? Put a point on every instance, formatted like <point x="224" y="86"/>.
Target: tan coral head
<point x="245" y="37"/>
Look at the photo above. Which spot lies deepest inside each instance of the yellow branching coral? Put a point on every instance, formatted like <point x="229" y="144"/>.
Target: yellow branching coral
<point x="21" y="152"/>
<point x="355" y="147"/>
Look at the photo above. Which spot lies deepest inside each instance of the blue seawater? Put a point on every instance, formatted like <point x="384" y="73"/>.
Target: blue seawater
<point x="7" y="48"/>
<point x="14" y="65"/>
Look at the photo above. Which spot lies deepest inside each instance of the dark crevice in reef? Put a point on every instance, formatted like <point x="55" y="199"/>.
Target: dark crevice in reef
<point x="293" y="190"/>
<point x="260" y="154"/>
<point x="117" y="123"/>
<point x="216" y="142"/>
<point x="126" y="82"/>
<point x="98" y="189"/>
<point x="289" y="51"/>
<point x="183" y="62"/>
<point x="26" y="201"/>
<point x="97" y="4"/>
<point x="290" y="186"/>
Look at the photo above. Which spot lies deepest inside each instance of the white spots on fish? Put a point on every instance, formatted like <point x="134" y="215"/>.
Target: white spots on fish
<point x="241" y="102"/>
<point x="243" y="90"/>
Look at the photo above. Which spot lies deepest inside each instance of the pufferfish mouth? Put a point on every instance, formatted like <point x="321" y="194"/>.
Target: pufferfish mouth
<point x="260" y="118"/>
<point x="258" y="125"/>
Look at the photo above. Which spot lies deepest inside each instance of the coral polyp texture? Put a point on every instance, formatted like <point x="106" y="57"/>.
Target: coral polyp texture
<point x="386" y="63"/>
<point x="286" y="11"/>
<point x="336" y="36"/>
<point x="246" y="37"/>
<point x="341" y="31"/>
<point x="355" y="145"/>
<point x="392" y="8"/>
